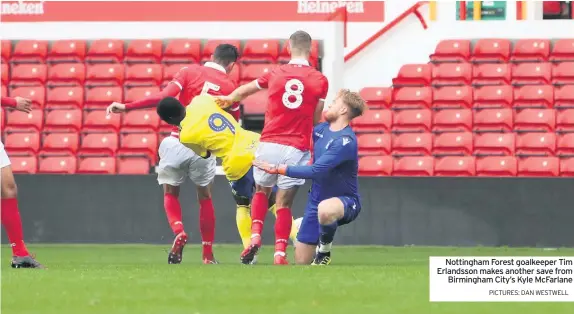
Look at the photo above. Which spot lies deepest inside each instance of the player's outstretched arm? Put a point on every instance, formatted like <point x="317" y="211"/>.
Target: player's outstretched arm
<point x="238" y="95"/>
<point x="171" y="90"/>
<point x="18" y="103"/>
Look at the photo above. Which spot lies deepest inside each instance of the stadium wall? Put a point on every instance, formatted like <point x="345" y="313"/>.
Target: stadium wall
<point x="396" y="211"/>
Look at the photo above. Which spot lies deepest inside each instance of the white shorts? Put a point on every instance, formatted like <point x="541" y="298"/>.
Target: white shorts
<point x="4" y="160"/>
<point x="279" y="154"/>
<point x="177" y="162"/>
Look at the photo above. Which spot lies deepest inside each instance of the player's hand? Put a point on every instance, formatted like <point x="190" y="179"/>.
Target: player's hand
<point x="270" y="168"/>
<point x="224" y="101"/>
<point x="115" y="107"/>
<point x="23" y="104"/>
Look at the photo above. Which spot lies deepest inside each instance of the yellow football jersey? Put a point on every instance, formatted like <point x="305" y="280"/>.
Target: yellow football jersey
<point x="207" y="127"/>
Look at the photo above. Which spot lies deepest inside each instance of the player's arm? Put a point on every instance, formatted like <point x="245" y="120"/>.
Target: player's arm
<point x="244" y="91"/>
<point x="18" y="103"/>
<point x="171" y="90"/>
<point x="318" y="116"/>
<point x="341" y="150"/>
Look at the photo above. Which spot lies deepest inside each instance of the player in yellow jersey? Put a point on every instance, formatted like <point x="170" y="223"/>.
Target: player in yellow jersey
<point x="208" y="129"/>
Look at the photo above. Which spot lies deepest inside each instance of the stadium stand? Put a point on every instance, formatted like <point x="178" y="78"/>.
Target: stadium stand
<point x="491" y="107"/>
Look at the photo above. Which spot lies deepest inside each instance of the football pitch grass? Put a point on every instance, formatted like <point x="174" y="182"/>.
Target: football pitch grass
<point x="114" y="279"/>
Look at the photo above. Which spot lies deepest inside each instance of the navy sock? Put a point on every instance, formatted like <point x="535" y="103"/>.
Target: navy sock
<point x="328" y="233"/>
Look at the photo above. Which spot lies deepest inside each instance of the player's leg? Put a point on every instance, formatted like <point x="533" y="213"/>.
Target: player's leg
<point x="242" y="190"/>
<point x="10" y="216"/>
<point x="308" y="236"/>
<point x="273" y="210"/>
<point x="171" y="174"/>
<point x="202" y="173"/>
<point x="333" y="212"/>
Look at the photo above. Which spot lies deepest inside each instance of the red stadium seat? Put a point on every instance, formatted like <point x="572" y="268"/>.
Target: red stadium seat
<point x="502" y="144"/>
<point x="101" y="97"/>
<point x="105" y="75"/>
<point x="536" y="144"/>
<point x="563" y="50"/>
<point x="414" y="166"/>
<point x="97" y="165"/>
<point x="552" y="8"/>
<point x="169" y="72"/>
<point x="6" y="51"/>
<point x="141" y="121"/>
<point x="531" y="73"/>
<point x="58" y="165"/>
<point x="565" y="145"/>
<point x="452" y="120"/>
<point x="30" y="51"/>
<point x="493" y="97"/>
<point x="99" y="121"/>
<point x="563" y="73"/>
<point x="539" y="167"/>
<point x="373" y="121"/>
<point x="491" y="50"/>
<point x="182" y="51"/>
<point x="99" y="144"/>
<point x="67" y="74"/>
<point x="24" y="164"/>
<point x="4" y="91"/>
<point x="65" y="120"/>
<point x="374" y="144"/>
<point x="412" y="97"/>
<point x="143" y="75"/>
<point x="209" y="47"/>
<point x="412" y="144"/>
<point x="564" y="97"/>
<point x="377" y="97"/>
<point x="534" y="97"/>
<point x="565" y="120"/>
<point x="67" y="51"/>
<point x="285" y="57"/>
<point x="5" y="74"/>
<point x="455" y="166"/>
<point x="133" y="166"/>
<point x="506" y="166"/>
<point x="452" y="97"/>
<point x="260" y="50"/>
<point x="2" y="121"/>
<point x="454" y="50"/>
<point x="22" y="143"/>
<point x="567" y="167"/>
<point x="143" y="50"/>
<point x="375" y="166"/>
<point x="528" y="50"/>
<point x="106" y="51"/>
<point x="255" y="104"/>
<point x="535" y="120"/>
<point x="251" y="72"/>
<point x="28" y="75"/>
<point x="453" y="144"/>
<point x="413" y="75"/>
<point x="138" y="93"/>
<point x="491" y="74"/>
<point x="21" y="121"/>
<point x="417" y="120"/>
<point x="164" y="130"/>
<point x="60" y="144"/>
<point x="60" y="97"/>
<point x="493" y="120"/>
<point x="139" y="144"/>
<point x="452" y="74"/>
<point x="36" y="94"/>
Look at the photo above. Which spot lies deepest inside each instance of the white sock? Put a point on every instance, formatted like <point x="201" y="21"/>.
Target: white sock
<point x="324" y="247"/>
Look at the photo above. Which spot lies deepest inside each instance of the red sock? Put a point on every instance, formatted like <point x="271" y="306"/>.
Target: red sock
<point x="282" y="229"/>
<point x="207" y="226"/>
<point x="173" y="212"/>
<point x="258" y="212"/>
<point x="10" y="216"/>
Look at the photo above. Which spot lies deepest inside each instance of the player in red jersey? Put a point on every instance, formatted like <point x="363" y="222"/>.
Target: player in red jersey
<point x="176" y="160"/>
<point x="296" y="96"/>
<point x="10" y="215"/>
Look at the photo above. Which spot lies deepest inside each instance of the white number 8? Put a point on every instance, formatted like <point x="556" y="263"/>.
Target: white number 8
<point x="296" y="93"/>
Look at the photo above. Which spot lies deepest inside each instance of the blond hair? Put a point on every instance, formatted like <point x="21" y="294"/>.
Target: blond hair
<point x="354" y="102"/>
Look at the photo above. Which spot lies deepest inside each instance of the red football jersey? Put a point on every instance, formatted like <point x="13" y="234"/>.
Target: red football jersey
<point x="294" y="91"/>
<point x="207" y="79"/>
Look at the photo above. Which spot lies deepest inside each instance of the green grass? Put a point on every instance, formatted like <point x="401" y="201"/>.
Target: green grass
<point x="114" y="279"/>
